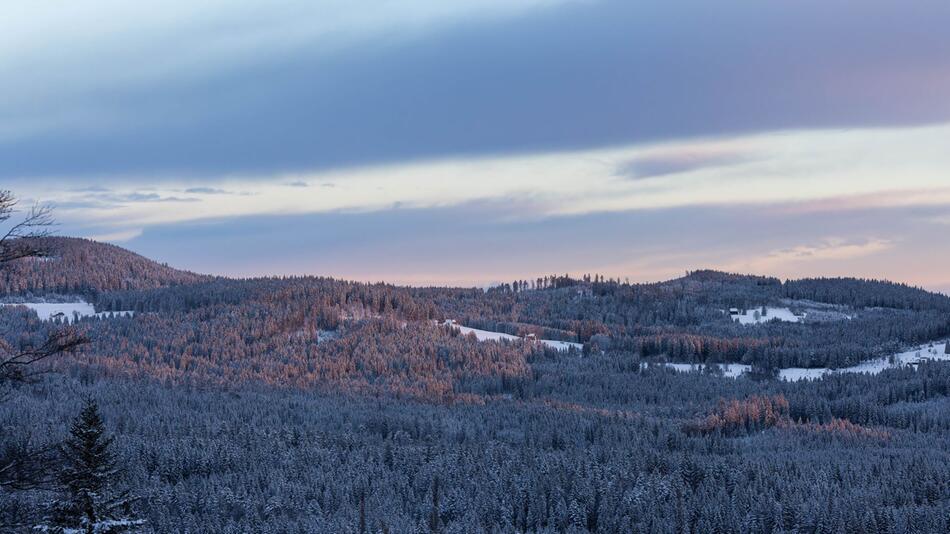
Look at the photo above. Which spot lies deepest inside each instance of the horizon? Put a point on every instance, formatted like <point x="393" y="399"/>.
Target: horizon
<point x="474" y="142"/>
<point x="495" y="283"/>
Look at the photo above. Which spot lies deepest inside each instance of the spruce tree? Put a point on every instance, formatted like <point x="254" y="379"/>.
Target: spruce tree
<point x="89" y="502"/>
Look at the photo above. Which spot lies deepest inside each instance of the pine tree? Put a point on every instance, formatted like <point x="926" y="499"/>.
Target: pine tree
<point x="89" y="501"/>
<point x="434" y="519"/>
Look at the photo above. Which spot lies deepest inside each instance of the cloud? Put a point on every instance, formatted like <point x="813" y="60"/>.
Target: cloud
<point x="935" y="195"/>
<point x="831" y="248"/>
<point x="803" y="171"/>
<point x="91" y="189"/>
<point x="139" y="198"/>
<point x="478" y="219"/>
<point x="303" y="87"/>
<point x="117" y="237"/>
<point x="96" y="199"/>
<point x="208" y="191"/>
<point x="149" y="197"/>
<point x="679" y="162"/>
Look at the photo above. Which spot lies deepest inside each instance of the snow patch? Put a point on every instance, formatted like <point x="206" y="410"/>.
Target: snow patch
<point x="729" y="370"/>
<point x="485" y="335"/>
<point x="755" y="315"/>
<point x="561" y="345"/>
<point x="794" y="374"/>
<point x="929" y="352"/>
<point x="68" y="311"/>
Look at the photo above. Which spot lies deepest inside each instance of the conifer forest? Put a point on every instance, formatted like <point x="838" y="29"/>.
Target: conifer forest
<point x="194" y="403"/>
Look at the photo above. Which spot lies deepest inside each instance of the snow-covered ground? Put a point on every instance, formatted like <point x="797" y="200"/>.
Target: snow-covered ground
<point x="729" y="370"/>
<point x="67" y="311"/>
<point x="755" y="316"/>
<point x="914" y="356"/>
<point x="794" y="374"/>
<point x="562" y="345"/>
<point x="485" y="335"/>
<point x="930" y="351"/>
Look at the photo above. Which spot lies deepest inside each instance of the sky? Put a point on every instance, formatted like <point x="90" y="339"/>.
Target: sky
<point x="477" y="141"/>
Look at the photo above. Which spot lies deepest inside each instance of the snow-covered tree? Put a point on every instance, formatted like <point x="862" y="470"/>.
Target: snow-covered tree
<point x="89" y="501"/>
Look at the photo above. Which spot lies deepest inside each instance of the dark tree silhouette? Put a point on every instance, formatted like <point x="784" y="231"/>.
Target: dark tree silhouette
<point x="89" y="499"/>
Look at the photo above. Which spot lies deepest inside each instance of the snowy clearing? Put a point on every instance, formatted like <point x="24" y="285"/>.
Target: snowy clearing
<point x="729" y="370"/>
<point x="561" y="345"/>
<point x="930" y="351"/>
<point x="485" y="335"/>
<point x="68" y="311"/>
<point x="755" y="315"/>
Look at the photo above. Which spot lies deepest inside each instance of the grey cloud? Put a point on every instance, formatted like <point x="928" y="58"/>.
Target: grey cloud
<point x="82" y="204"/>
<point x="149" y="197"/>
<point x="583" y="75"/>
<point x="108" y="199"/>
<point x="207" y="191"/>
<point x="654" y="166"/>
<point x="91" y="189"/>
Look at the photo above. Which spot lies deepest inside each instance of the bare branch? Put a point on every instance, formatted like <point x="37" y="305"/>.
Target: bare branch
<point x="7" y="203"/>
<point x="15" y="365"/>
<point x="25" y="467"/>
<point x="21" y="239"/>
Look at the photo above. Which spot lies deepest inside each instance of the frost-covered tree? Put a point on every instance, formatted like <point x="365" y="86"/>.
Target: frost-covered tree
<point x="89" y="501"/>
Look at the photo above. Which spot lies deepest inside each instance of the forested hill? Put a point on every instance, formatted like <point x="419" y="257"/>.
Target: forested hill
<point x="250" y="326"/>
<point x="82" y="266"/>
<point x="308" y="404"/>
<point x="814" y="322"/>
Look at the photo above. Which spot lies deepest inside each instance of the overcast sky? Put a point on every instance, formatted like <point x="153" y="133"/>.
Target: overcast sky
<point x="474" y="141"/>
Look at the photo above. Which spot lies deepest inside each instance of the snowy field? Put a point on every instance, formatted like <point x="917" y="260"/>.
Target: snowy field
<point x="755" y="316"/>
<point x="485" y="335"/>
<point x="934" y="351"/>
<point x="729" y="370"/>
<point x="561" y="345"/>
<point x="67" y="311"/>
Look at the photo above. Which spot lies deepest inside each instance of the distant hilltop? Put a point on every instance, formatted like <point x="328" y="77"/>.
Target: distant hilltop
<point x="82" y="266"/>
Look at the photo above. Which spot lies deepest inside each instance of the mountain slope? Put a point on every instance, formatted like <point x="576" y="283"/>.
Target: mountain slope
<point x="81" y="266"/>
